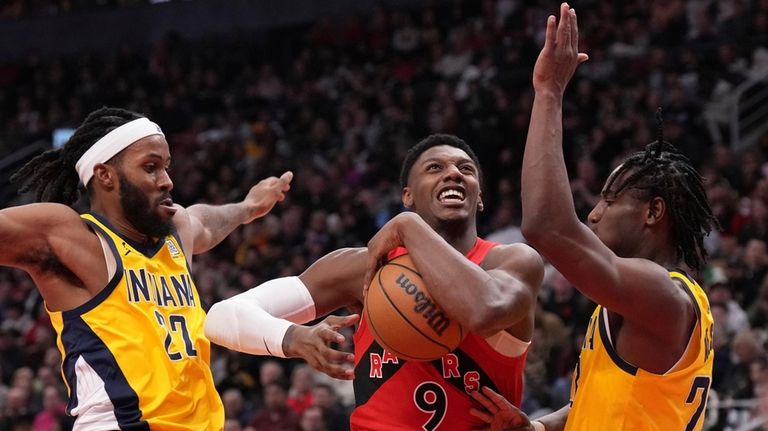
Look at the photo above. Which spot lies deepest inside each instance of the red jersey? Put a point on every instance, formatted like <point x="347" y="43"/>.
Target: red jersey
<point x="393" y="394"/>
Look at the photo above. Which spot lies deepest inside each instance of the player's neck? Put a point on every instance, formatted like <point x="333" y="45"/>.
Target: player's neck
<point x="120" y="223"/>
<point x="458" y="235"/>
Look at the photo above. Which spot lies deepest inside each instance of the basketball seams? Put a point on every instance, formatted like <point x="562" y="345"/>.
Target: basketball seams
<point x="393" y="263"/>
<point x="376" y="335"/>
<point x="399" y="312"/>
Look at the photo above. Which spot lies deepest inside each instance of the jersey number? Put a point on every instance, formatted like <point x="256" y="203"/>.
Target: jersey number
<point x="700" y="382"/>
<point x="176" y="323"/>
<point x="431" y="398"/>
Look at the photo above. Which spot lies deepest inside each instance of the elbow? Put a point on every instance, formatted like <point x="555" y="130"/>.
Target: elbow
<point x="534" y="224"/>
<point x="488" y="321"/>
<point x="531" y="231"/>
<point x="215" y="322"/>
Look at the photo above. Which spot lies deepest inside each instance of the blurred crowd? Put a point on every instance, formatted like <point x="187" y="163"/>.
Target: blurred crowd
<point x="20" y="9"/>
<point x="340" y="100"/>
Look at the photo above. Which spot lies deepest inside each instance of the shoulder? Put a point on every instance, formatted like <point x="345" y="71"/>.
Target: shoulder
<point x="184" y="225"/>
<point x="520" y="259"/>
<point x="512" y="254"/>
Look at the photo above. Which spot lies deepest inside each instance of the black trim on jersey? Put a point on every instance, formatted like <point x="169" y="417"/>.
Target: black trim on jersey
<point x="688" y="290"/>
<point x="80" y="340"/>
<point x="148" y="250"/>
<point x="621" y="363"/>
<point x="466" y="364"/>
<point x="107" y="290"/>
<point x="364" y="385"/>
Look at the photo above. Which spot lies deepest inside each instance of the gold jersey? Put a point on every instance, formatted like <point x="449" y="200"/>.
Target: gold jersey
<point x="135" y="356"/>
<point x="607" y="393"/>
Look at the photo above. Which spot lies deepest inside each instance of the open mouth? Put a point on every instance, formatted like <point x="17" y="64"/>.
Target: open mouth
<point x="451" y="195"/>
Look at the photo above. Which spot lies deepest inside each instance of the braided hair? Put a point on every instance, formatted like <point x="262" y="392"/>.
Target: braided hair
<point x="52" y="175"/>
<point x="662" y="171"/>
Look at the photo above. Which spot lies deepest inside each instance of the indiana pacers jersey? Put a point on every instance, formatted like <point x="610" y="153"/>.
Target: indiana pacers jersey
<point x="608" y="393"/>
<point x="135" y="357"/>
<point x="392" y="394"/>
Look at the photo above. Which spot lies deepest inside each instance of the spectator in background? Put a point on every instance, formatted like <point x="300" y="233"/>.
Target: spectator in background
<point x="642" y="66"/>
<point x="334" y="414"/>
<point x="52" y="413"/>
<point x="302" y="383"/>
<point x="313" y="419"/>
<point x="276" y="415"/>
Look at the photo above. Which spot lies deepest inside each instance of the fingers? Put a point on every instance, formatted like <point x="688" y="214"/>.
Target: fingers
<point x="338" y="322"/>
<point x="287" y="176"/>
<point x="485" y="417"/>
<point x="580" y="56"/>
<point x="484" y="401"/>
<point x="337" y="371"/>
<point x="551" y="36"/>
<point x="574" y="30"/>
<point x="498" y="400"/>
<point x="561" y="26"/>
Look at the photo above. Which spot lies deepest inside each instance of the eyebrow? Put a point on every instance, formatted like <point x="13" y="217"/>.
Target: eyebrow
<point x="460" y="160"/>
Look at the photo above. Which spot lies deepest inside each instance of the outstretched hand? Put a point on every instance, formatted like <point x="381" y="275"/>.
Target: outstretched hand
<point x="263" y="196"/>
<point x="560" y="56"/>
<point x="498" y="413"/>
<point x="314" y="345"/>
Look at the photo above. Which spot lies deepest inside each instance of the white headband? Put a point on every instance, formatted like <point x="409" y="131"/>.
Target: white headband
<point x="112" y="143"/>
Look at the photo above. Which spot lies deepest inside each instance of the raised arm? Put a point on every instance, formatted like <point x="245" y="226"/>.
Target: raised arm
<point x="202" y="226"/>
<point x="502" y="291"/>
<point x="637" y="289"/>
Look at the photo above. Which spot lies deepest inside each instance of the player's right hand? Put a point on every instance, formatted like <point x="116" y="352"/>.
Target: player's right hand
<point x="560" y="56"/>
<point x="314" y="345"/>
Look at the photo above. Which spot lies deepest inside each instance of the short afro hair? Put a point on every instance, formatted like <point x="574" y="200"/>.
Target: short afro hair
<point x="435" y="140"/>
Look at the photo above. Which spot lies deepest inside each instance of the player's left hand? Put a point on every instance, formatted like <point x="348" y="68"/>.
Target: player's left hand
<point x="263" y="196"/>
<point x="498" y="413"/>
<point x="386" y="239"/>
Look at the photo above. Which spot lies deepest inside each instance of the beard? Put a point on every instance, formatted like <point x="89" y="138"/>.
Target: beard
<point x="142" y="213"/>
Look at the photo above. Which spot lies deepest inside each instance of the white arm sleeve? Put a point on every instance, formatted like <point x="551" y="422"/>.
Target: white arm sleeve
<point x="256" y="321"/>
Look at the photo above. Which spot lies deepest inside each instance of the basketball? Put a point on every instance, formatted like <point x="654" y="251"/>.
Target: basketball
<point x="404" y="318"/>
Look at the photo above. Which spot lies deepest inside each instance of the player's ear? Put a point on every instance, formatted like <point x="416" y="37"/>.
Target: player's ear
<point x="480" y="206"/>
<point x="657" y="208"/>
<point x="105" y="175"/>
<point x="407" y="197"/>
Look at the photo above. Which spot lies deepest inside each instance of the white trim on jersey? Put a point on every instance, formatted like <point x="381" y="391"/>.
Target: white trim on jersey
<point x="94" y="411"/>
<point x="507" y="344"/>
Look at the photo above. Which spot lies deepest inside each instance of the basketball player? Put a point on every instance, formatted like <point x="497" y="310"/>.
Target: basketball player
<point x="116" y="280"/>
<point x="646" y="360"/>
<point x="489" y="288"/>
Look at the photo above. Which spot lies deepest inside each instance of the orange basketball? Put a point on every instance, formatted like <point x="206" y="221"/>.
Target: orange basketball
<point x="403" y="317"/>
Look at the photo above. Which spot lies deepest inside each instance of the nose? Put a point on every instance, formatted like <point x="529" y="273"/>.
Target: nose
<point x="596" y="213"/>
<point x="452" y="172"/>
<point x="164" y="181"/>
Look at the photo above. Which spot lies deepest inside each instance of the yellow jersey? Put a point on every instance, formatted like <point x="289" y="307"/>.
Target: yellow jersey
<point x="135" y="356"/>
<point x="607" y="393"/>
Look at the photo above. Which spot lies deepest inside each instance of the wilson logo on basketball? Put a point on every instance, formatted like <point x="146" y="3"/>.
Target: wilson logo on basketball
<point x="436" y="319"/>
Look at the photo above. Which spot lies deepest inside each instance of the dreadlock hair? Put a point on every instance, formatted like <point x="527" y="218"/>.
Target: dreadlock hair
<point x="662" y="171"/>
<point x="52" y="175"/>
<point x="435" y="140"/>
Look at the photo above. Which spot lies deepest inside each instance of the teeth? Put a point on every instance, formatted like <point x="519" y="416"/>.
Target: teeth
<point x="451" y="194"/>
